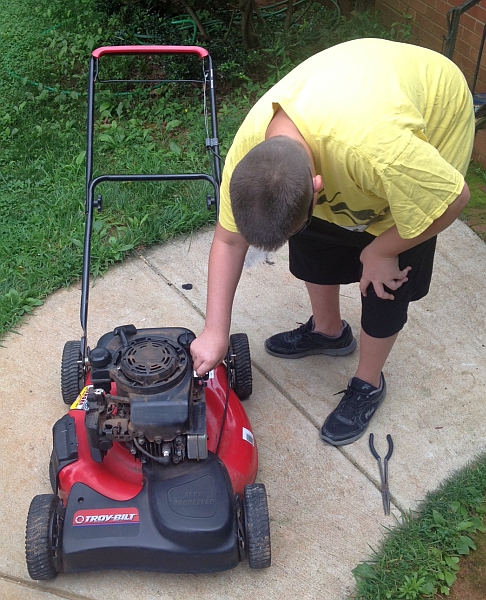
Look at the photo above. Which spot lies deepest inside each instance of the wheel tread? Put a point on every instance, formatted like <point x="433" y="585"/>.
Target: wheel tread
<point x="257" y="526"/>
<point x="242" y="372"/>
<point x="38" y="546"/>
<point x="71" y="374"/>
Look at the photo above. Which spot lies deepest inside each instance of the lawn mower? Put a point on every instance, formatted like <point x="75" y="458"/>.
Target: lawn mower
<point x="153" y="468"/>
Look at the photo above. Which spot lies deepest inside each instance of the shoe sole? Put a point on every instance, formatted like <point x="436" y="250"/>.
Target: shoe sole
<point x="326" y="351"/>
<point x="342" y="442"/>
<point x="356" y="437"/>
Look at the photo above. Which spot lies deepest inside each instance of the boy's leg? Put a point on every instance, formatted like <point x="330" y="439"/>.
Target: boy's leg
<point x="324" y="300"/>
<point x="381" y="321"/>
<point x="364" y="394"/>
<point x="373" y="354"/>
<point x="324" y="332"/>
<point x="319" y="257"/>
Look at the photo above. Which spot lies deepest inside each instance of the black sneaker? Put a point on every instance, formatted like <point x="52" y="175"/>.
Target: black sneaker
<point x="303" y="341"/>
<point x="349" y="420"/>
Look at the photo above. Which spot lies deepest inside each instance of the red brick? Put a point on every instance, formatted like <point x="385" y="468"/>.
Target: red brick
<point x="478" y="11"/>
<point x="381" y="6"/>
<point x="435" y="29"/>
<point x="480" y="86"/>
<point x="386" y="9"/>
<point x="479" y="28"/>
<point x="434" y="15"/>
<point x="422" y="21"/>
<point x="417" y="5"/>
<point x="465" y="43"/>
<point x="393" y="17"/>
<point x="467" y="66"/>
<point x="425" y="39"/>
<point x="402" y="7"/>
<point x="481" y="76"/>
<point x="469" y="37"/>
<point x="479" y="148"/>
<point x="438" y="31"/>
<point x="468" y="21"/>
<point x="442" y="7"/>
<point x="413" y="13"/>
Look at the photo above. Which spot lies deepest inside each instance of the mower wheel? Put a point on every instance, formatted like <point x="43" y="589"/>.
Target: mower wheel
<point x="72" y="373"/>
<point x="240" y="365"/>
<point x="257" y="526"/>
<point x="43" y="537"/>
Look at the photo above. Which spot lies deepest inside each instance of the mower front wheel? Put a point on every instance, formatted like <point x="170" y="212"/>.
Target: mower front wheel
<point x="257" y="526"/>
<point x="72" y="372"/>
<point x="43" y="537"/>
<point x="240" y="365"/>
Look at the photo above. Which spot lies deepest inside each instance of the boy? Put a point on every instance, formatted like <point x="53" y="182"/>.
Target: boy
<point x="357" y="158"/>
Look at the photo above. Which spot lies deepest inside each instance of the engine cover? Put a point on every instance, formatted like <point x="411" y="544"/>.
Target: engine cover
<point x="157" y="397"/>
<point x="150" y="365"/>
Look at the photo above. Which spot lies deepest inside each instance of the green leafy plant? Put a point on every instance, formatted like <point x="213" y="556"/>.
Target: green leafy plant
<point x="420" y="557"/>
<point x="401" y="31"/>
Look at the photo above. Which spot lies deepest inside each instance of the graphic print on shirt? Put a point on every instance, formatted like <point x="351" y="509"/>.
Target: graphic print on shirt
<point x="360" y="219"/>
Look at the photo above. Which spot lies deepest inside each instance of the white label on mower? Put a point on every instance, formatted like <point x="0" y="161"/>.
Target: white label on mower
<point x="209" y="375"/>
<point x="81" y="402"/>
<point x="248" y="436"/>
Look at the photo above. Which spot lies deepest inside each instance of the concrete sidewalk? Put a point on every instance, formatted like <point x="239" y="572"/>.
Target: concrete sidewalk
<point x="324" y="503"/>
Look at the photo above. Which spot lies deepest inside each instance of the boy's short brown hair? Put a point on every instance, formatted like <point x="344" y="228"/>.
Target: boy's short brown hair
<point x="271" y="190"/>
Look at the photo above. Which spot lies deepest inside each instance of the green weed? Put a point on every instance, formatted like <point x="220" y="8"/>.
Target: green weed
<point x="42" y="165"/>
<point x="420" y="557"/>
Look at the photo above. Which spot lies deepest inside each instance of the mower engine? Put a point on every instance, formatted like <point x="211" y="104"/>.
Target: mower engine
<point x="144" y="393"/>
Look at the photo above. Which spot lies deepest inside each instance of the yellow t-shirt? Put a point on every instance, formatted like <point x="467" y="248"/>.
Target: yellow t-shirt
<point x="390" y="127"/>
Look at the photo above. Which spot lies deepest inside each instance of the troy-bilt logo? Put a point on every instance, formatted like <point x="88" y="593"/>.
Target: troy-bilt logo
<point x="106" y="516"/>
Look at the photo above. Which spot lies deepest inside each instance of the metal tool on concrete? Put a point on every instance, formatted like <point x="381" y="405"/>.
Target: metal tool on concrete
<point x="383" y="466"/>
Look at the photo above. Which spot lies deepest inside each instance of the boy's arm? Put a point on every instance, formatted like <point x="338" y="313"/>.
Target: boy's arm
<point x="226" y="259"/>
<point x="380" y="258"/>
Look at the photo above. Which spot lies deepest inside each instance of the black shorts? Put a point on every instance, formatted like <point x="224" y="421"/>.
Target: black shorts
<point x="326" y="254"/>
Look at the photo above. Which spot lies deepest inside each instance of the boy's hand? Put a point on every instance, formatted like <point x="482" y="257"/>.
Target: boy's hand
<point x="381" y="271"/>
<point x="208" y="351"/>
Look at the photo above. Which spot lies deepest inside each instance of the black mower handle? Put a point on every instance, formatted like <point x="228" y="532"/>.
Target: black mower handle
<point x="92" y="204"/>
<point x="201" y="52"/>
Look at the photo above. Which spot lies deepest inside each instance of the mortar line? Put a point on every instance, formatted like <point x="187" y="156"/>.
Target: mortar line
<point x="159" y="273"/>
<point x="31" y="585"/>
<point x="313" y="422"/>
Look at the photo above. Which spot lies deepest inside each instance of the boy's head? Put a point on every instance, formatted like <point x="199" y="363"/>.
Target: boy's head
<point x="271" y="192"/>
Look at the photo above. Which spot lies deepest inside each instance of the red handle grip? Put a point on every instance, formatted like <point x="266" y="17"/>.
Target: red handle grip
<point x="201" y="52"/>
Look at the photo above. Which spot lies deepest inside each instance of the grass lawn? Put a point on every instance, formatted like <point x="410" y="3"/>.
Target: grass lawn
<point x="42" y="166"/>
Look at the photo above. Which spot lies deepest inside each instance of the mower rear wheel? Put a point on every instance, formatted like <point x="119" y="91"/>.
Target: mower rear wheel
<point x="240" y="365"/>
<point x="257" y="526"/>
<point x="72" y="373"/>
<point x="43" y="537"/>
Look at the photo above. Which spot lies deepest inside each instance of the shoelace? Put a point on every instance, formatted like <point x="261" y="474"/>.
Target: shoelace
<point x="299" y="331"/>
<point x="348" y="407"/>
